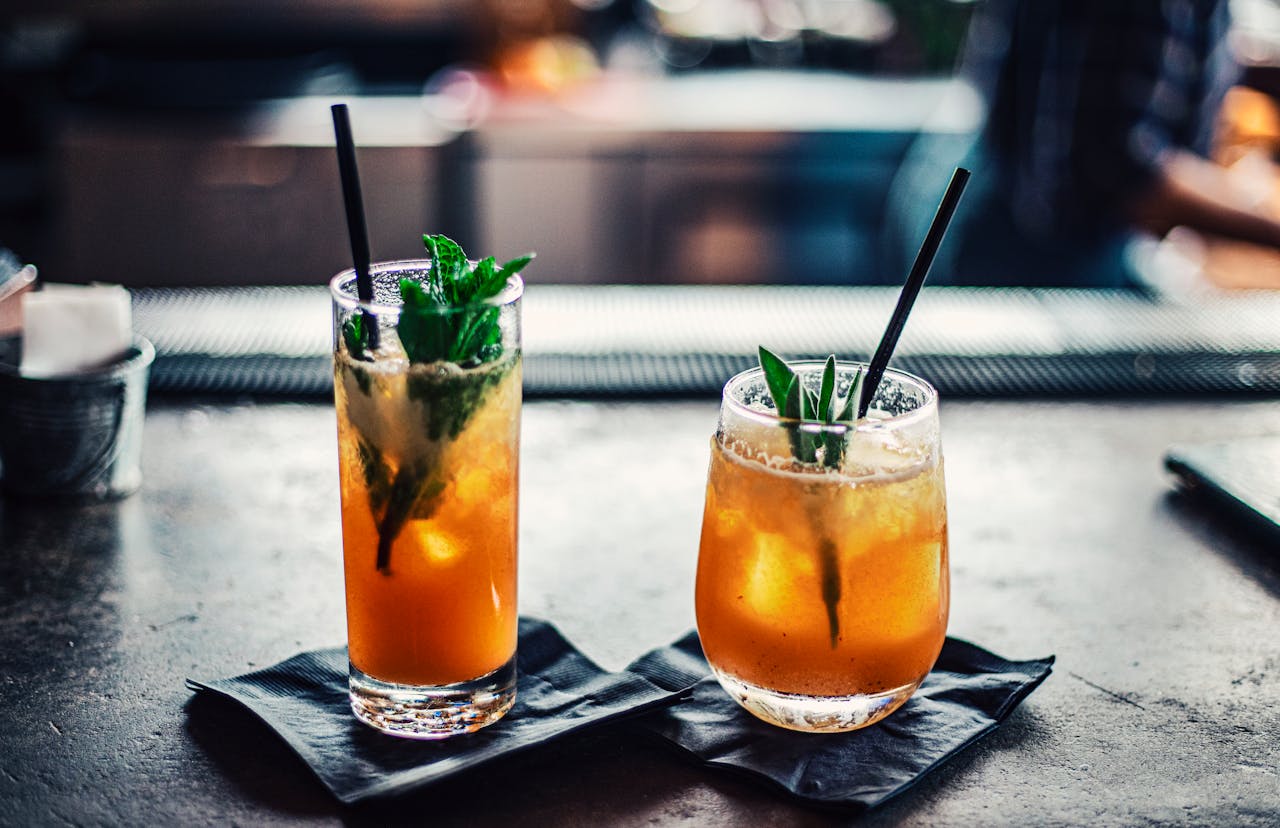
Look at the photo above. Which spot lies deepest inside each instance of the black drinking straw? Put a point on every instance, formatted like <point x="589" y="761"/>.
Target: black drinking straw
<point x="919" y="270"/>
<point x="354" y="204"/>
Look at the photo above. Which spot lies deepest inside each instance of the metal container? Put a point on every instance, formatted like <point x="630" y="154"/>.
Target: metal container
<point x="75" y="436"/>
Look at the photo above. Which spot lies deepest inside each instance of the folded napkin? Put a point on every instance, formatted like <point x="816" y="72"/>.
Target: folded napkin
<point x="968" y="693"/>
<point x="559" y="691"/>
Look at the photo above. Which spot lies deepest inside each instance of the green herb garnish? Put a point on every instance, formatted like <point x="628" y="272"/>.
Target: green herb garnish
<point x="445" y="317"/>
<point x="796" y="401"/>
<point x="413" y="494"/>
<point x="450" y="401"/>
<point x="355" y="335"/>
<point x="440" y="320"/>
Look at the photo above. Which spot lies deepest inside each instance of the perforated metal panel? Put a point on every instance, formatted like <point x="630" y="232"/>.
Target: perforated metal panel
<point x="689" y="340"/>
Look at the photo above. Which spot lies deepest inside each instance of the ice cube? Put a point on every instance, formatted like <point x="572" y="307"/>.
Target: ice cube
<point x="440" y="548"/>
<point x="774" y="572"/>
<point x="874" y="452"/>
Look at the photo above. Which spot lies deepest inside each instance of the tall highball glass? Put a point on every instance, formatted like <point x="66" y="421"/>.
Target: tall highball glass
<point x="428" y="465"/>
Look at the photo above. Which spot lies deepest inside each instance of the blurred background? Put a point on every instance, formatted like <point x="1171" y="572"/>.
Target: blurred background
<point x="188" y="142"/>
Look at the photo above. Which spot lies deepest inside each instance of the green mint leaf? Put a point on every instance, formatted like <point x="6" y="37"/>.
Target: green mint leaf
<point x="826" y="397"/>
<point x="461" y="347"/>
<point x="447" y="259"/>
<point x="363" y="380"/>
<point x="425" y="333"/>
<point x="414" y="294"/>
<point x="440" y="320"/>
<point x="487" y="279"/>
<point x="393" y="499"/>
<point x="356" y="336"/>
<point x="409" y="486"/>
<point x="515" y="266"/>
<point x="424" y="508"/>
<point x="377" y="476"/>
<point x="450" y="401"/>
<point x="475" y="329"/>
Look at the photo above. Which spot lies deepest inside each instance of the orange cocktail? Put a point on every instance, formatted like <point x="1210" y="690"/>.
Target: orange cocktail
<point x="443" y="610"/>
<point x="822" y="590"/>
<point x="428" y="465"/>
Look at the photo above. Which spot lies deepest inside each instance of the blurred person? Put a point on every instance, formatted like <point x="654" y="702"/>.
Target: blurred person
<point x="1100" y="118"/>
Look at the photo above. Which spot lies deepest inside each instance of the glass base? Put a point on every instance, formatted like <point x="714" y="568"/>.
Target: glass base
<point x="432" y="711"/>
<point x="814" y="714"/>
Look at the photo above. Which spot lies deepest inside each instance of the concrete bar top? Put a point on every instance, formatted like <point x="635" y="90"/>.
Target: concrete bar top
<point x="1164" y="706"/>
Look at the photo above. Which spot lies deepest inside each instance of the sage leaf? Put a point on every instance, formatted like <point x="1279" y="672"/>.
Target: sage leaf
<point x="791" y="408"/>
<point x="809" y="403"/>
<point x="826" y="396"/>
<point x="849" y="413"/>
<point x="778" y="376"/>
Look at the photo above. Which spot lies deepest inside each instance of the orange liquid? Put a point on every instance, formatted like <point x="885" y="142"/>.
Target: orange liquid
<point x="772" y="540"/>
<point x="445" y="609"/>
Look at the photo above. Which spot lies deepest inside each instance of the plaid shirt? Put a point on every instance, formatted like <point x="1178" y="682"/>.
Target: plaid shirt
<point x="1085" y="95"/>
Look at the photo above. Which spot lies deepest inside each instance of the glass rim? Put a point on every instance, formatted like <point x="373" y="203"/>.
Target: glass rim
<point x="510" y="293"/>
<point x="907" y="419"/>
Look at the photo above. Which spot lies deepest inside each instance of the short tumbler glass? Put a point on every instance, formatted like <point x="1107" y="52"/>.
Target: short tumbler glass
<point x="428" y="465"/>
<point x="823" y="586"/>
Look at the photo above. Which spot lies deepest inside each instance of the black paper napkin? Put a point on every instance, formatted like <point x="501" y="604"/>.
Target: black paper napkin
<point x="967" y="694"/>
<point x="559" y="691"/>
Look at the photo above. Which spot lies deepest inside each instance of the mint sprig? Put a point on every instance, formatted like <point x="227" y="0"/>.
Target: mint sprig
<point x="355" y="335"/>
<point x="796" y="401"/>
<point x="444" y="318"/>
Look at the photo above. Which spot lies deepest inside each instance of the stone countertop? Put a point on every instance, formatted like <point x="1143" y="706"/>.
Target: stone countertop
<point x="1164" y="706"/>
